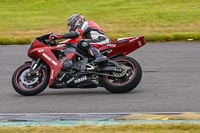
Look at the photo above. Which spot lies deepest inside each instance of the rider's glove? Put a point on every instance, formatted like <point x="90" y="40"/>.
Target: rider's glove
<point x="54" y="37"/>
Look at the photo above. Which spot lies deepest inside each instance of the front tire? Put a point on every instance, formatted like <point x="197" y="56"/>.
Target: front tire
<point x="29" y="85"/>
<point x="127" y="82"/>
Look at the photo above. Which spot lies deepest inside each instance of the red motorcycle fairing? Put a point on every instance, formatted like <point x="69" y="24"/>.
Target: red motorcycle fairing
<point x="124" y="46"/>
<point x="40" y="50"/>
<point x="121" y="46"/>
<point x="120" y="75"/>
<point x="45" y="53"/>
<point x="70" y="41"/>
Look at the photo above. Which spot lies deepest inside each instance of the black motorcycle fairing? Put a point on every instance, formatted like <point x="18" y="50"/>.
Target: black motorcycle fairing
<point x="73" y="81"/>
<point x="81" y="69"/>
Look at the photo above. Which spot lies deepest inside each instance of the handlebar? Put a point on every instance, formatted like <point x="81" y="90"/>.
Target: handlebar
<point x="45" y="39"/>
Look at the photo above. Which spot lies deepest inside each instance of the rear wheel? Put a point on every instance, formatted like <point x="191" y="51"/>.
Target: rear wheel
<point x="29" y="84"/>
<point x="125" y="81"/>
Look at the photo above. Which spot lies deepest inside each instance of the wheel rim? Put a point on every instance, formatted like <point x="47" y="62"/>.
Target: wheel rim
<point x="27" y="83"/>
<point x="129" y="75"/>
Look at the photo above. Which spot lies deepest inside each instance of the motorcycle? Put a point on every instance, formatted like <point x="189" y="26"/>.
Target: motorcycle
<point x="64" y="65"/>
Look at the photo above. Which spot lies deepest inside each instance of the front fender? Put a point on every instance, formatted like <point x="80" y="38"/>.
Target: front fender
<point x="28" y="62"/>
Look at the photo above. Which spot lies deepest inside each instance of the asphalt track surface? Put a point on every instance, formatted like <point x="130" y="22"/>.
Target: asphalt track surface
<point x="170" y="83"/>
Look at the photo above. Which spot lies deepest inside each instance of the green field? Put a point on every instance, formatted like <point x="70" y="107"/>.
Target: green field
<point x="159" y="128"/>
<point x="158" y="20"/>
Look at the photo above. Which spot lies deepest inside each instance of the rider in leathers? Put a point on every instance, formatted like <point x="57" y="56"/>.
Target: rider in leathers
<point x="90" y="32"/>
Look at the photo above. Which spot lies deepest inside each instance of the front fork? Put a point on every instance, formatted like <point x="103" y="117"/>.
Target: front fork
<point x="35" y="64"/>
<point x="35" y="67"/>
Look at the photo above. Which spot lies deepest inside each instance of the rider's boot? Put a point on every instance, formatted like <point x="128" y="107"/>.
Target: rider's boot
<point x="99" y="58"/>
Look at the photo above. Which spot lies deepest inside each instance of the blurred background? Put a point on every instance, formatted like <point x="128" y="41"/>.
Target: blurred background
<point x="157" y="20"/>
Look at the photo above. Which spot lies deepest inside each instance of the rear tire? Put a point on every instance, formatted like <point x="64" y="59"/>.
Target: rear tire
<point x="124" y="84"/>
<point x="32" y="85"/>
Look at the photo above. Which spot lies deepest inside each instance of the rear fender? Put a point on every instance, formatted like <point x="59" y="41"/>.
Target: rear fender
<point x="124" y="46"/>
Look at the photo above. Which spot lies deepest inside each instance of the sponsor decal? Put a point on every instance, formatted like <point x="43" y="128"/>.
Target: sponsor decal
<point x="111" y="45"/>
<point x="134" y="39"/>
<point x="40" y="50"/>
<point x="80" y="79"/>
<point x="70" y="80"/>
<point x="140" y="43"/>
<point x="110" y="51"/>
<point x="122" y="41"/>
<point x="49" y="59"/>
<point x="52" y="72"/>
<point x="53" y="62"/>
<point x="62" y="76"/>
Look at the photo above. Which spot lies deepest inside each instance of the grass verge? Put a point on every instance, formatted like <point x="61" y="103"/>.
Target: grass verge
<point x="157" y="128"/>
<point x="158" y="20"/>
<point x="149" y="38"/>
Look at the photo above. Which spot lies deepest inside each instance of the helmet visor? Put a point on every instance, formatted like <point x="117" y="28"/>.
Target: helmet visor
<point x="69" y="27"/>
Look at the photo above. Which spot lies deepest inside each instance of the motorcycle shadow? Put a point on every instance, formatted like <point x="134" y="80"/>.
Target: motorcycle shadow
<point x="78" y="92"/>
<point x="85" y="91"/>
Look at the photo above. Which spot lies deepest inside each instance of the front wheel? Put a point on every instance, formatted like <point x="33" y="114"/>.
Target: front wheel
<point x="125" y="81"/>
<point x="29" y="84"/>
